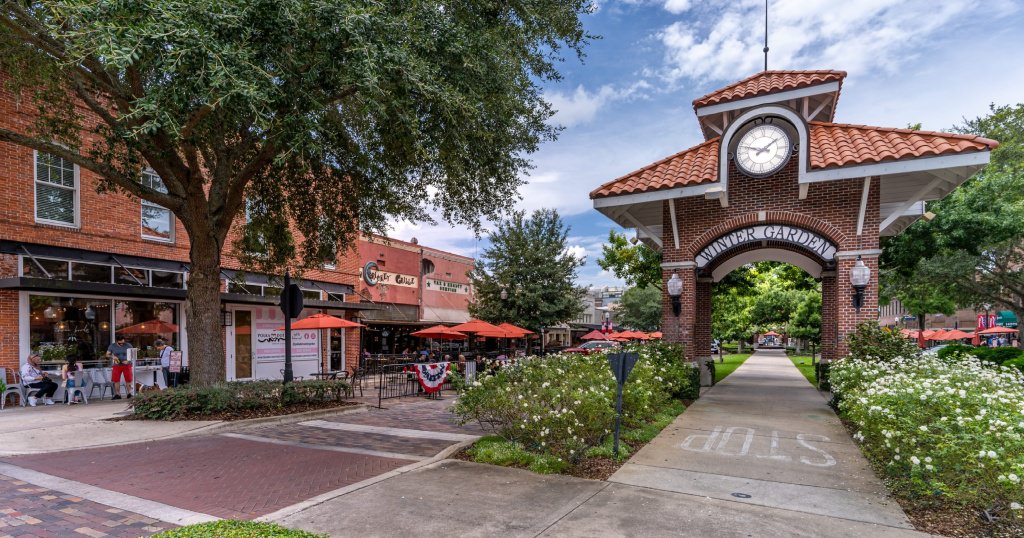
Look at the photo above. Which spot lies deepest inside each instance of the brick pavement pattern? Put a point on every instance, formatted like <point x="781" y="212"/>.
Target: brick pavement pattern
<point x="363" y="440"/>
<point x="419" y="414"/>
<point x="220" y="476"/>
<point x="31" y="511"/>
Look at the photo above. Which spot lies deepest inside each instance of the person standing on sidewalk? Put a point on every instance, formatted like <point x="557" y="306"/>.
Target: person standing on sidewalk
<point x="34" y="378"/>
<point x="165" y="361"/>
<point x="122" y="367"/>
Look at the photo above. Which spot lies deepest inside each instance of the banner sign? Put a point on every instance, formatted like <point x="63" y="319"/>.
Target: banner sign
<point x="450" y="287"/>
<point x="269" y="342"/>
<point x="432" y="376"/>
<point x="372" y="275"/>
<point x="770" y="232"/>
<point x="175" y="362"/>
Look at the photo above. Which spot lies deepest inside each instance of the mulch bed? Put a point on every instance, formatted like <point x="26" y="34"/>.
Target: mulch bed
<point x="257" y="413"/>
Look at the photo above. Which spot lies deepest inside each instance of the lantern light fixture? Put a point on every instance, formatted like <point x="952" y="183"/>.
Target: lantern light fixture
<point x="860" y="275"/>
<point x="675" y="289"/>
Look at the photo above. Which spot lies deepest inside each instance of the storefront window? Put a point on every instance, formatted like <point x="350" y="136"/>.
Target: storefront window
<point x="167" y="279"/>
<point x="124" y="275"/>
<point x="88" y="272"/>
<point x="57" y="269"/>
<point x="143" y="322"/>
<point x="83" y="324"/>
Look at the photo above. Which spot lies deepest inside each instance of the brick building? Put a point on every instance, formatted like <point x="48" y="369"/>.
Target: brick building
<point x="79" y="267"/>
<point x="412" y="286"/>
<point x="777" y="179"/>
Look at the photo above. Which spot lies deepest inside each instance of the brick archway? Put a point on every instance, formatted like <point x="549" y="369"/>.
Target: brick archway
<point x="814" y="224"/>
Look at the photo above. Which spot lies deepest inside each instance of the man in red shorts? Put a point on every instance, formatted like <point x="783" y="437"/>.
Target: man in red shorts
<point x="118" y="352"/>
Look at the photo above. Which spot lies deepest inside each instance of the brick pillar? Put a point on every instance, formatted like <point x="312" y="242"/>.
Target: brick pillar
<point x="9" y="331"/>
<point x="680" y="329"/>
<point x="828" y="317"/>
<point x="702" y="329"/>
<point x="847" y="317"/>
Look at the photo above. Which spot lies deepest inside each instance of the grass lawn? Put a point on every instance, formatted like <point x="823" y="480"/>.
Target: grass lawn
<point x="803" y="363"/>
<point x="732" y="362"/>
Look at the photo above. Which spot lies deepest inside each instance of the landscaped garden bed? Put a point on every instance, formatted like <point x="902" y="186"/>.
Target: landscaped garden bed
<point x="946" y="434"/>
<point x="239" y="400"/>
<point x="555" y="414"/>
<point x="236" y="529"/>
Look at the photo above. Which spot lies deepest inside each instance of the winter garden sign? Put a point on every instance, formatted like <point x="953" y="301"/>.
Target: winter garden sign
<point x="800" y="237"/>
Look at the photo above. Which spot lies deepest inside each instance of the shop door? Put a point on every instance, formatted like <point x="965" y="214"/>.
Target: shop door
<point x="240" y="352"/>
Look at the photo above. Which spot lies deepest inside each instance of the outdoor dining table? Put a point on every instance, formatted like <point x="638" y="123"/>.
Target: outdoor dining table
<point x="329" y="375"/>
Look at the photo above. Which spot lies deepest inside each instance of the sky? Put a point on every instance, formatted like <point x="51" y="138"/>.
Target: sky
<point x="628" y="102"/>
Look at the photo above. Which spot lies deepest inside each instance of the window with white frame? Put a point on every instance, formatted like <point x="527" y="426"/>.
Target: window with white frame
<point x="157" y="221"/>
<point x="56" y="190"/>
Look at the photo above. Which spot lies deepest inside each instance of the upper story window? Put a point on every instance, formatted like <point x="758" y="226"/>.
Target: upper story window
<point x="56" y="190"/>
<point x="157" y="221"/>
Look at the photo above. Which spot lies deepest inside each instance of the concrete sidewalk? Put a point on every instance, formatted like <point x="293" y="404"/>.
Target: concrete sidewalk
<point x="760" y="454"/>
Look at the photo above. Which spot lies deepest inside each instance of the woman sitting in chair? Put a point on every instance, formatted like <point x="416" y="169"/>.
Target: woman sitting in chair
<point x="72" y="365"/>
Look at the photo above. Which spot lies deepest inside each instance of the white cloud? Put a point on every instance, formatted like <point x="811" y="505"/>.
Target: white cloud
<point x="581" y="106"/>
<point x="577" y="251"/>
<point x="723" y="40"/>
<point x="677" y="6"/>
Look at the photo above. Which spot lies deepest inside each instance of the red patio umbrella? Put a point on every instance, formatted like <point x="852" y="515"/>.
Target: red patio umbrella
<point x="998" y="330"/>
<point x="772" y="333"/>
<point x="320" y="321"/>
<point x="476" y="326"/>
<point x="519" y="331"/>
<point x="635" y="335"/>
<point x="153" y="326"/>
<point x="655" y="335"/>
<point x="593" y="335"/>
<point x="439" y="332"/>
<point x="938" y="335"/>
<point x="955" y="334"/>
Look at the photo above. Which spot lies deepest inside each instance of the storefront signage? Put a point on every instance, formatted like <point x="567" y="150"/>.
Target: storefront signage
<point x="450" y="287"/>
<point x="175" y="365"/>
<point x="373" y="276"/>
<point x="269" y="342"/>
<point x="771" y="232"/>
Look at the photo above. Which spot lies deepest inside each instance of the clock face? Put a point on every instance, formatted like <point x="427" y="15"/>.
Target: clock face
<point x="763" y="150"/>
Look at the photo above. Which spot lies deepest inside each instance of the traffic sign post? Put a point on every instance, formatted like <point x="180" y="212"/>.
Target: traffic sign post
<point x="291" y="306"/>
<point x="622" y="364"/>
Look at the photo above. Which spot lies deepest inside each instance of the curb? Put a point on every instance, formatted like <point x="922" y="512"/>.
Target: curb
<point x="233" y="425"/>
<point x="287" y="511"/>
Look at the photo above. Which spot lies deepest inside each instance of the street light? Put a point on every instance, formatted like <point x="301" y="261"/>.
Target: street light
<point x="675" y="289"/>
<point x="860" y="275"/>
<point x="504" y="295"/>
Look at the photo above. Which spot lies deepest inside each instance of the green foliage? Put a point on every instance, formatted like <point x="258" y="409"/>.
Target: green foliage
<point x="803" y="363"/>
<point x="873" y="343"/>
<point x="998" y="355"/>
<point x="639" y="265"/>
<point x="640" y="309"/>
<point x="562" y="405"/>
<point x="236" y="529"/>
<point x="1017" y="363"/>
<point x="956" y="349"/>
<point x="764" y="296"/>
<point x="821" y="371"/>
<point x="805" y="322"/>
<point x="527" y="259"/>
<point x="322" y="117"/>
<point x="195" y="402"/>
<point x="55" y="352"/>
<point x="945" y="430"/>
<point x="972" y="252"/>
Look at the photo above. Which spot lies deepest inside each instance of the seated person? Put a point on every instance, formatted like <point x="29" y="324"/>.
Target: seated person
<point x="67" y="374"/>
<point x="35" y="378"/>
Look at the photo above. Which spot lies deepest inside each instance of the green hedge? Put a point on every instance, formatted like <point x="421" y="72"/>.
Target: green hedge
<point x="236" y="529"/>
<point x="998" y="355"/>
<point x="233" y="397"/>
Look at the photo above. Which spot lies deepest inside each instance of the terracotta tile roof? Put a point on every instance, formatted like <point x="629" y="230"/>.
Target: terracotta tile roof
<point x="767" y="82"/>
<point x="832" y="145"/>
<point x="835" y="144"/>
<point x="693" y="166"/>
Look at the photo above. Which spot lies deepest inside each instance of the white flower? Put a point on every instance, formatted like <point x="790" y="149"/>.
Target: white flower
<point x="1013" y="478"/>
<point x="915" y="460"/>
<point x="1015" y="506"/>
<point x="992" y="454"/>
<point x="923" y="428"/>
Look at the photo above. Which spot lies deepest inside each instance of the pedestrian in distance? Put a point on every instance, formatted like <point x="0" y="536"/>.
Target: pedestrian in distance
<point x="165" y="361"/>
<point x="35" y="378"/>
<point x="67" y="373"/>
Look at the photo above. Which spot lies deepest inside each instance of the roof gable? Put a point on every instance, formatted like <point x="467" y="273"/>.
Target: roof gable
<point x="768" y="82"/>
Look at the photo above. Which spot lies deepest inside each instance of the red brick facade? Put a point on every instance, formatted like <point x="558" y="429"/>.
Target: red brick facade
<point x="830" y="209"/>
<point x="107" y="223"/>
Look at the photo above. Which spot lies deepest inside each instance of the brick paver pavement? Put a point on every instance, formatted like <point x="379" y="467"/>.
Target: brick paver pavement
<point x="363" y="440"/>
<point x="413" y="414"/>
<point x="27" y="510"/>
<point x="219" y="476"/>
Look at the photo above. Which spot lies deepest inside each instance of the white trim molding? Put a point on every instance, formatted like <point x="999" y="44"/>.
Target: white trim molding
<point x="653" y="196"/>
<point x="847" y="254"/>
<point x="974" y="158"/>
<point x="779" y="97"/>
<point x="678" y="265"/>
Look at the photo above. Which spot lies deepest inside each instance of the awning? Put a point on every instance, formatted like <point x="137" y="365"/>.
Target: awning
<point x="1006" y="319"/>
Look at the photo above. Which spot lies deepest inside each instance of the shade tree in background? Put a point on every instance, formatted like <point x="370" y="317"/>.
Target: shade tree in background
<point x="637" y="264"/>
<point x="639" y="309"/>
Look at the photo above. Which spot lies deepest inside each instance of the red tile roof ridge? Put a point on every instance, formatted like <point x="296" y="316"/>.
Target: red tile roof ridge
<point x="992" y="144"/>
<point x="593" y="193"/>
<point x="710" y="98"/>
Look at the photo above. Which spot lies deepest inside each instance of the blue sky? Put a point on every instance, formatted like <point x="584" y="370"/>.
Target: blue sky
<point x="629" y="102"/>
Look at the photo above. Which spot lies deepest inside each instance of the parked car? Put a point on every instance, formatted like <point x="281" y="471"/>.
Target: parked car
<point x="592" y="347"/>
<point x="714" y="347"/>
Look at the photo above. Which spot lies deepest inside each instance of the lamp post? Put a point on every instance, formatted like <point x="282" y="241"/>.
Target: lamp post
<point x="675" y="289"/>
<point x="860" y="275"/>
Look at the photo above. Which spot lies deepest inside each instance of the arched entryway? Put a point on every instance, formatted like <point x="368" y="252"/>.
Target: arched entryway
<point x="776" y="179"/>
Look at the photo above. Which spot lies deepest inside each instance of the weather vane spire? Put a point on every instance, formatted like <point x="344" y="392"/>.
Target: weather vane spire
<point x="765" y="50"/>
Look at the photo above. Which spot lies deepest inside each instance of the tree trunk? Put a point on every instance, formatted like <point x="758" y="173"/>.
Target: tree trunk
<point x="799" y="346"/>
<point x="202" y="306"/>
<point x="739" y="345"/>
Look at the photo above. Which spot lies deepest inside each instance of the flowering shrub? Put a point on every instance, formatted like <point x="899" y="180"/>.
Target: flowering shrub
<point x="873" y="343"/>
<point x="564" y="404"/>
<point x="951" y="427"/>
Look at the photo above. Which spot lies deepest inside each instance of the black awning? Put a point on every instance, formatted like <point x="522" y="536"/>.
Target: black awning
<point x="69" y="287"/>
<point x="74" y="254"/>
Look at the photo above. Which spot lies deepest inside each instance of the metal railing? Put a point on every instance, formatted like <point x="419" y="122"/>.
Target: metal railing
<point x="400" y="381"/>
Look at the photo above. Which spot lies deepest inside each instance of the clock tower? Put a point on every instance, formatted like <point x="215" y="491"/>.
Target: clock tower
<point x="776" y="178"/>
